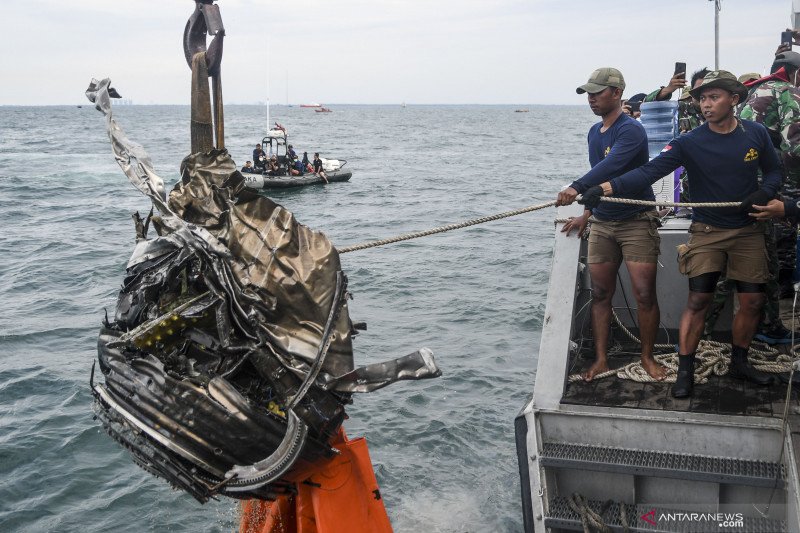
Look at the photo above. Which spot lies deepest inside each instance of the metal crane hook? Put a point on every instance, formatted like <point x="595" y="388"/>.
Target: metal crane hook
<point x="205" y="19"/>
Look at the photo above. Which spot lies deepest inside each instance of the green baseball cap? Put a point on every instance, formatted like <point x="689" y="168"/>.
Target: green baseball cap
<point x="724" y="80"/>
<point x="602" y="78"/>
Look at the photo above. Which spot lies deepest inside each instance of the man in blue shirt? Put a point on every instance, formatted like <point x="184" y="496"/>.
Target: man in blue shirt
<point x="619" y="232"/>
<point x="259" y="156"/>
<point x="723" y="158"/>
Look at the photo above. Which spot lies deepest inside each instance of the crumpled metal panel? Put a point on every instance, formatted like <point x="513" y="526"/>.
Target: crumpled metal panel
<point x="229" y="360"/>
<point x="285" y="268"/>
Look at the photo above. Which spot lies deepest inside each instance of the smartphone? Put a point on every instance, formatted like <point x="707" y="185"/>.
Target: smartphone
<point x="786" y="38"/>
<point x="680" y="67"/>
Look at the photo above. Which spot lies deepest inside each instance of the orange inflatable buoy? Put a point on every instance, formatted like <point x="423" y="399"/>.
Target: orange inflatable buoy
<point x="339" y="495"/>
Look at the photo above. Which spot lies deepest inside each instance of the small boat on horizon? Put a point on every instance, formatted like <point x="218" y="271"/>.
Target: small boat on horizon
<point x="313" y="104"/>
<point x="323" y="110"/>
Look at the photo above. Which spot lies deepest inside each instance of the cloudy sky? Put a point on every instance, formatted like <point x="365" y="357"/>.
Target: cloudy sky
<point x="377" y="51"/>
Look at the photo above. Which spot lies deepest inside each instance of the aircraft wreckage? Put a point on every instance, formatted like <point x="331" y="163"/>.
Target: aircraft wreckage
<point x="228" y="362"/>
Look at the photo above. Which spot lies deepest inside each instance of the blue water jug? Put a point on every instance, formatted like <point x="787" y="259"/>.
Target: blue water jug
<point x="660" y="121"/>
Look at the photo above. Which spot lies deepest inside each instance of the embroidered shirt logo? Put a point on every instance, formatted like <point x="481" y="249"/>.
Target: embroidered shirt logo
<point x="751" y="155"/>
<point x="608" y="149"/>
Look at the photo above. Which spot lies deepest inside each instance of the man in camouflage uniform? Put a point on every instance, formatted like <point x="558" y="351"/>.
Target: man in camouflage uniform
<point x="689" y="115"/>
<point x="774" y="101"/>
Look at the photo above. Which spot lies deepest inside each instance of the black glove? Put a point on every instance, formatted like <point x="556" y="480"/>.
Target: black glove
<point x="591" y="198"/>
<point x="760" y="197"/>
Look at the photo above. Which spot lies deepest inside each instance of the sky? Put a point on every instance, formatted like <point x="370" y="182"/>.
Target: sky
<point x="377" y="51"/>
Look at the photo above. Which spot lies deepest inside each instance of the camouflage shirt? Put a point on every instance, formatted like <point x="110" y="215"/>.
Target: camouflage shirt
<point x="776" y="105"/>
<point x="689" y="117"/>
<point x="653" y="96"/>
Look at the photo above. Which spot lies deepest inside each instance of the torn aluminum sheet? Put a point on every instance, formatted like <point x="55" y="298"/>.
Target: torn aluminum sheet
<point x="229" y="359"/>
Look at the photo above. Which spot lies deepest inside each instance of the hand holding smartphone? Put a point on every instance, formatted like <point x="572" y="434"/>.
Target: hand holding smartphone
<point x="680" y="67"/>
<point x="786" y="39"/>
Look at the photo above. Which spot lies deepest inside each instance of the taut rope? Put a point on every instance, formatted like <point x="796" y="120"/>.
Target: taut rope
<point x="507" y="214"/>
<point x="442" y="229"/>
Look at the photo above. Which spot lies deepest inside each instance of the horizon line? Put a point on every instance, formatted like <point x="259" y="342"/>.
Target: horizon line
<point x="261" y="104"/>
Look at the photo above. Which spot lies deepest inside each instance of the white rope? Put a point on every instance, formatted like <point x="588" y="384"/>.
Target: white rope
<point x="498" y="216"/>
<point x="629" y="201"/>
<point x="711" y="357"/>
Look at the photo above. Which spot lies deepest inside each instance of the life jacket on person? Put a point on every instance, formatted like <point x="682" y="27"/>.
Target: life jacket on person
<point x="338" y="495"/>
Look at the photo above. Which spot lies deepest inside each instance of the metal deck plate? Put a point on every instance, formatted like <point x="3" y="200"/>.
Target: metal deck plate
<point x="646" y="518"/>
<point x="663" y="464"/>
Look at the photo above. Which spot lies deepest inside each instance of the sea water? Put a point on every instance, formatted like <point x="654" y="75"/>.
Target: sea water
<point x="443" y="449"/>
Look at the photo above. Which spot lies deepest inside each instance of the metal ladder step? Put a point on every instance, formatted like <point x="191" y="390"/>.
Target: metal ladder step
<point x="646" y="518"/>
<point x="663" y="464"/>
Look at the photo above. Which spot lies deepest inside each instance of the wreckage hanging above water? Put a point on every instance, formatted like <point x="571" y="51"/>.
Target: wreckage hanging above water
<point x="228" y="362"/>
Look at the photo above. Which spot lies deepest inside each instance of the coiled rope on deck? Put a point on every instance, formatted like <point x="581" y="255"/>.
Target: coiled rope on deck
<point x="507" y="214"/>
<point x="711" y="357"/>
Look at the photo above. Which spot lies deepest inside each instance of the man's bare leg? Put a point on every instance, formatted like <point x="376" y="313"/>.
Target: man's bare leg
<point x="693" y="320"/>
<point x="747" y="319"/>
<point x="691" y="328"/>
<point x="604" y="283"/>
<point x="745" y="323"/>
<point x="643" y="280"/>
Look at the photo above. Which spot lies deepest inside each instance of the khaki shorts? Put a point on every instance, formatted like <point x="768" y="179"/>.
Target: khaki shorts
<point x="740" y="252"/>
<point x="634" y="239"/>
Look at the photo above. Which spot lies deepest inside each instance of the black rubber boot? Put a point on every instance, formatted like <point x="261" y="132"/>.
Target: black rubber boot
<point x="784" y="377"/>
<point x="684" y="384"/>
<point x="740" y="368"/>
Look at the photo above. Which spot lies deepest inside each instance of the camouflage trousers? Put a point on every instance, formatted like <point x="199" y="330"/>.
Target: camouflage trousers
<point x="786" y="235"/>
<point x="725" y="287"/>
<point x="786" y="247"/>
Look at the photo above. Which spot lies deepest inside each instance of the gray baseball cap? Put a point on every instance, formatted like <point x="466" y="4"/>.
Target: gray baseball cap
<point x="602" y="78"/>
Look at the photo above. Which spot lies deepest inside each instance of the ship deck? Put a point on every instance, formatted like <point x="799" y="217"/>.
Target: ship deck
<point x="720" y="395"/>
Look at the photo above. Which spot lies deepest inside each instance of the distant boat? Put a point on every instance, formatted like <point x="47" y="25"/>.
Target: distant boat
<point x="403" y="105"/>
<point x="276" y="143"/>
<point x="322" y="110"/>
<point x="313" y="104"/>
<point x="80" y="107"/>
<point x="520" y="111"/>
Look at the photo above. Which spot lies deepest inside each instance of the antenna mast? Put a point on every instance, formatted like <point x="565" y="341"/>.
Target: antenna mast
<point x="717" y="8"/>
<point x="269" y="123"/>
